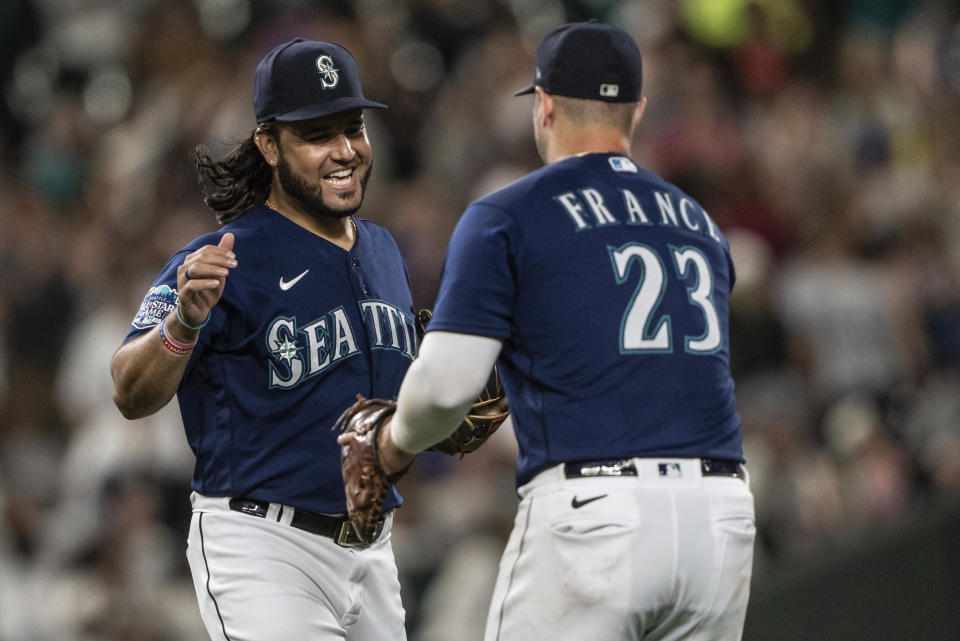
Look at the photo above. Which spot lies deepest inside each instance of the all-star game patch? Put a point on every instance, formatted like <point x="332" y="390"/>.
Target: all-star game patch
<point x="158" y="302"/>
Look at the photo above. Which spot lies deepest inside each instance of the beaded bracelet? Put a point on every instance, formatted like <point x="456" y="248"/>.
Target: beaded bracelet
<point x="188" y="325"/>
<point x="175" y="346"/>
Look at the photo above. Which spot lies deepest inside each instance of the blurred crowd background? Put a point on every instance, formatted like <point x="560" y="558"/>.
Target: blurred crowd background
<point x="822" y="135"/>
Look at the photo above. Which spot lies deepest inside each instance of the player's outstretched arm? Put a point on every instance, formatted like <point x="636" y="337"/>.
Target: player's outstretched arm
<point x="146" y="370"/>
<point x="442" y="384"/>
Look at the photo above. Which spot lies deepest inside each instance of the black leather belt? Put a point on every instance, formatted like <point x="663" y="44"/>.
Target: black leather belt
<point x="337" y="528"/>
<point x="626" y="467"/>
<point x="722" y="467"/>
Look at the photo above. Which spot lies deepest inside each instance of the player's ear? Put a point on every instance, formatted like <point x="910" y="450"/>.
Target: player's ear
<point x="638" y="114"/>
<point x="267" y="144"/>
<point x="547" y="106"/>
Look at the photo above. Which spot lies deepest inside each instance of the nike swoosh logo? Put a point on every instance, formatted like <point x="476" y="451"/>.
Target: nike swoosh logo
<point x="285" y="285"/>
<point x="575" y="503"/>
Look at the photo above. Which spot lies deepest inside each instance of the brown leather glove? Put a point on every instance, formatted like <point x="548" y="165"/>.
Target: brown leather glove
<point x="365" y="482"/>
<point x="485" y="416"/>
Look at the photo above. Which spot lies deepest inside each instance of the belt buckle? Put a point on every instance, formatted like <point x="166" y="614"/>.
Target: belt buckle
<point x="347" y="537"/>
<point x="609" y="468"/>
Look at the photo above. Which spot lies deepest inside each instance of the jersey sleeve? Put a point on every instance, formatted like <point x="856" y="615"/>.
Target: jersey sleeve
<point x="161" y="300"/>
<point x="478" y="283"/>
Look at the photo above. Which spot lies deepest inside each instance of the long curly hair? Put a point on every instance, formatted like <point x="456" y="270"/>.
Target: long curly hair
<point x="239" y="180"/>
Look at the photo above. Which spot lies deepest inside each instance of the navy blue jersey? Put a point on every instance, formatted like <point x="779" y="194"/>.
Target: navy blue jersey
<point x="303" y="327"/>
<point x="610" y="289"/>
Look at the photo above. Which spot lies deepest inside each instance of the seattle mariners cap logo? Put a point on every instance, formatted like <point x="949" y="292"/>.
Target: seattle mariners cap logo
<point x="332" y="82"/>
<point x="328" y="73"/>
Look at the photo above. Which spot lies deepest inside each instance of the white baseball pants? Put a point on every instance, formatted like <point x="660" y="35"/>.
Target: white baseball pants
<point x="661" y="556"/>
<point x="262" y="580"/>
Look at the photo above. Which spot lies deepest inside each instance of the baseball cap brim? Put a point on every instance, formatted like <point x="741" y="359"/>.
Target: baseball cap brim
<point x="529" y="89"/>
<point x="327" y="108"/>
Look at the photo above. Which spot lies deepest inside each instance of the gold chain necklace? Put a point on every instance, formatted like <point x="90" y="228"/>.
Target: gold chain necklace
<point x="274" y="208"/>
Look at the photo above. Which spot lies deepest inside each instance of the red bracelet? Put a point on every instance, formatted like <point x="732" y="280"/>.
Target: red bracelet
<point x="173" y="344"/>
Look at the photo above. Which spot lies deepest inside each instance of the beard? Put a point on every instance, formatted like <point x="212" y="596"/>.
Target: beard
<point x="311" y="195"/>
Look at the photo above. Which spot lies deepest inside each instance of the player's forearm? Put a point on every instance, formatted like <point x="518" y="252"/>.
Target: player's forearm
<point x="439" y="388"/>
<point x="146" y="375"/>
<point x="421" y="420"/>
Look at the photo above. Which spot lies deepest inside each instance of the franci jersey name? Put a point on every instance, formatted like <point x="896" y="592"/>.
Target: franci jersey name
<point x="303" y="326"/>
<point x="610" y="289"/>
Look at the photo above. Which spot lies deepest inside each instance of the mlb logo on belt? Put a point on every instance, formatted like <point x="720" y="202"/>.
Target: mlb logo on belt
<point x="670" y="470"/>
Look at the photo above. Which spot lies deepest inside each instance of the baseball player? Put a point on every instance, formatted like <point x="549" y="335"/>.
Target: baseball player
<point x="266" y="330"/>
<point x="602" y="293"/>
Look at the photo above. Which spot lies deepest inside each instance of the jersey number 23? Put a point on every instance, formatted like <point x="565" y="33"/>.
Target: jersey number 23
<point x="642" y="329"/>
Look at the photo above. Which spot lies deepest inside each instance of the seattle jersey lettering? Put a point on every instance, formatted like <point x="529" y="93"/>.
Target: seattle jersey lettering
<point x="588" y="210"/>
<point x="298" y="352"/>
<point x="391" y="327"/>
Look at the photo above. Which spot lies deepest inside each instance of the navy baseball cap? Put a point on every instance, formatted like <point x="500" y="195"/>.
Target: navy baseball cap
<point x="303" y="79"/>
<point x="589" y="60"/>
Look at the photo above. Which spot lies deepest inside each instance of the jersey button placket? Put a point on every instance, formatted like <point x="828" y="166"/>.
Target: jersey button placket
<point x="354" y="262"/>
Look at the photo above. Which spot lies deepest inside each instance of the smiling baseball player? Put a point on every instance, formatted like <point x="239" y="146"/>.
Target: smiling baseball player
<point x="602" y="292"/>
<point x="266" y="330"/>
